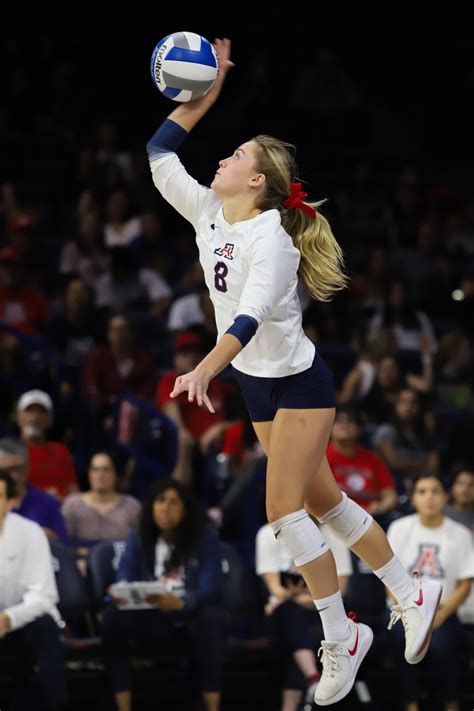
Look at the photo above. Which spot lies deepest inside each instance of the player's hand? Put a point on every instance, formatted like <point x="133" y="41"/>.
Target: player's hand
<point x="5" y="624"/>
<point x="195" y="383"/>
<point x="222" y="48"/>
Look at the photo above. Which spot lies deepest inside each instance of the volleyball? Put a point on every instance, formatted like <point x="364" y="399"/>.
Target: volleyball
<point x="184" y="66"/>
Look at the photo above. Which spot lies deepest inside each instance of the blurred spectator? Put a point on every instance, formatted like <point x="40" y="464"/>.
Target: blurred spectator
<point x="407" y="207"/>
<point x="409" y="326"/>
<point x="176" y="546"/>
<point x="454" y="380"/>
<point x="121" y="366"/>
<point x="51" y="465"/>
<point x="437" y="548"/>
<point x="102" y="512"/>
<point x="28" y="595"/>
<point x="196" y="425"/>
<point x="369" y="285"/>
<point x="358" y="471"/>
<point x="30" y="502"/>
<point x="85" y="255"/>
<point x="416" y="264"/>
<point x="124" y="286"/>
<point x="461" y="505"/>
<point x="240" y="458"/>
<point x="21" y="306"/>
<point x="294" y="622"/>
<point x="379" y="401"/>
<point x="364" y="213"/>
<point x="120" y="227"/>
<point x="405" y="444"/>
<point x="361" y="379"/>
<point x="116" y="163"/>
<point x="75" y="332"/>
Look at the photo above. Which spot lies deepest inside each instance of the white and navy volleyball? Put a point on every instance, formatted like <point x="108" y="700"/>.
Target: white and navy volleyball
<point x="184" y="66"/>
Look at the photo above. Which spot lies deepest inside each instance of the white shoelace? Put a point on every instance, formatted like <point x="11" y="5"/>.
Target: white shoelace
<point x="328" y="657"/>
<point x="398" y="612"/>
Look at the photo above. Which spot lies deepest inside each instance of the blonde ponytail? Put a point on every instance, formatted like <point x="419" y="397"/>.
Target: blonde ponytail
<point x="322" y="259"/>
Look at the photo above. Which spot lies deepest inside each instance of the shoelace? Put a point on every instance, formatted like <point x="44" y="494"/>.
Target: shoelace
<point x="398" y="612"/>
<point x="327" y="653"/>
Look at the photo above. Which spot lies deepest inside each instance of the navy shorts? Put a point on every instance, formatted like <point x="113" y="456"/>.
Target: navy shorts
<point x="312" y="388"/>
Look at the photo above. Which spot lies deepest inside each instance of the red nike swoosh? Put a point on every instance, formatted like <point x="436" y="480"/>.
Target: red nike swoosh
<point x="420" y="598"/>
<point x="354" y="649"/>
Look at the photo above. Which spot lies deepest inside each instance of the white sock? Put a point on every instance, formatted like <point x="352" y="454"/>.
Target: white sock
<point x="395" y="577"/>
<point x="334" y="618"/>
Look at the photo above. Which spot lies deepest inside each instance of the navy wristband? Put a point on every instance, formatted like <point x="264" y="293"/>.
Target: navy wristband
<point x="167" y="139"/>
<point x="243" y="328"/>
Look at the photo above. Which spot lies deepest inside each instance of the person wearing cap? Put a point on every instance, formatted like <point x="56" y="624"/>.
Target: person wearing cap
<point x="51" y="464"/>
<point x="28" y="597"/>
<point x="196" y="425"/>
<point x="31" y="502"/>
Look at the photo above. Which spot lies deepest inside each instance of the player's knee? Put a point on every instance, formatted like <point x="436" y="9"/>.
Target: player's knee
<point x="347" y="521"/>
<point x="300" y="537"/>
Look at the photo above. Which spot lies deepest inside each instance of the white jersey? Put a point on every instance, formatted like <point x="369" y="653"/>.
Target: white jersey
<point x="444" y="553"/>
<point x="250" y="269"/>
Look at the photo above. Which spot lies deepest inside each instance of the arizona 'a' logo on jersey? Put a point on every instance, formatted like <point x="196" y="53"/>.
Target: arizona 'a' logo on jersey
<point x="226" y="251"/>
<point x="428" y="562"/>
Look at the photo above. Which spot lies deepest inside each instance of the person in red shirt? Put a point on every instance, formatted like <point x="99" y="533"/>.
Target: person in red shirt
<point x="21" y="306"/>
<point x="196" y="425"/>
<point x="51" y="464"/>
<point x="358" y="471"/>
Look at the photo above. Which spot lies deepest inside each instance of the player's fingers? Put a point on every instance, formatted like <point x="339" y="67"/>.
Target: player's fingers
<point x="199" y="394"/>
<point x="177" y="389"/>
<point x="208" y="404"/>
<point x="191" y="392"/>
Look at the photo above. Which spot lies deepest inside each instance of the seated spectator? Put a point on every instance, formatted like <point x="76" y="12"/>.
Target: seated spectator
<point x="461" y="509"/>
<point x="360" y="380"/>
<point x="30" y="502"/>
<point x="461" y="504"/>
<point x="240" y="458"/>
<point x="125" y="286"/>
<point x="358" y="471"/>
<point x="101" y="513"/>
<point x="405" y="444"/>
<point x="28" y="595"/>
<point x="437" y="548"/>
<point x="21" y="306"/>
<point x="409" y="326"/>
<point x="121" y="366"/>
<point x="454" y="381"/>
<point x="175" y="546"/>
<point x="121" y="228"/>
<point x="51" y="465"/>
<point x="85" y="255"/>
<point x="294" y="621"/>
<point x="75" y="332"/>
<point x="196" y="425"/>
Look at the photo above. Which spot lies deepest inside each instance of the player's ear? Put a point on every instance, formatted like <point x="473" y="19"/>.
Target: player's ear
<point x="257" y="180"/>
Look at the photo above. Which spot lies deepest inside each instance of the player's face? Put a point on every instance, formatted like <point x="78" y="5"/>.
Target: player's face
<point x="428" y="497"/>
<point x="235" y="173"/>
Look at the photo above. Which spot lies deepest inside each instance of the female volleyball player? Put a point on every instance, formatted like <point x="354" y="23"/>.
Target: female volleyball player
<point x="255" y="232"/>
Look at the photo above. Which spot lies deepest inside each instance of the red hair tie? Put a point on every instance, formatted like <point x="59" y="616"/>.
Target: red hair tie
<point x="295" y="199"/>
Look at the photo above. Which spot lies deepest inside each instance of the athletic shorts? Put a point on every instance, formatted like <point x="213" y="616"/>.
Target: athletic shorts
<point x="312" y="388"/>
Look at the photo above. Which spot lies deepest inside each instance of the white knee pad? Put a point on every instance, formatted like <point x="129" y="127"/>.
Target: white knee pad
<point x="300" y="537"/>
<point x="347" y="521"/>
